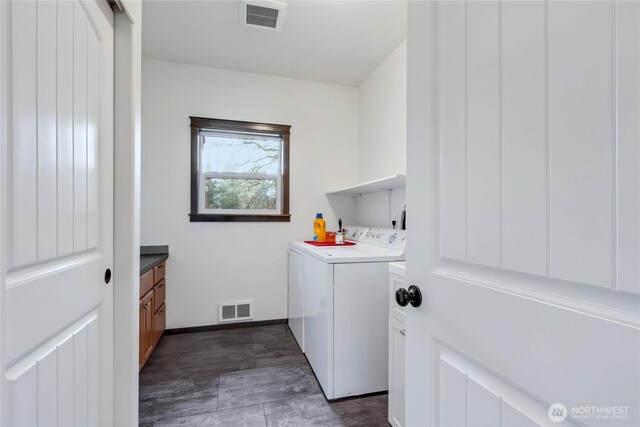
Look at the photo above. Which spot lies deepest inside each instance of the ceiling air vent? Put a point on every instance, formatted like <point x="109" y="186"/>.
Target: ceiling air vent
<point x="262" y="13"/>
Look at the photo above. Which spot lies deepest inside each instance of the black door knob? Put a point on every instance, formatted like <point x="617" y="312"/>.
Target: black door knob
<point x="411" y="296"/>
<point x="402" y="297"/>
<point x="107" y="276"/>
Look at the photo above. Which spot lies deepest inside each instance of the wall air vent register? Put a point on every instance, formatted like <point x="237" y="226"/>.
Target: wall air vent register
<point x="235" y="311"/>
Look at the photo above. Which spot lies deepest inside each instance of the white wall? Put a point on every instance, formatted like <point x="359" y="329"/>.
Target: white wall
<point x="382" y="118"/>
<point x="382" y="121"/>
<point x="379" y="209"/>
<point x="212" y="263"/>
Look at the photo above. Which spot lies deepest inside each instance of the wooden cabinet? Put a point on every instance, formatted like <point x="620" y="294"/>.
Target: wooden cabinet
<point x="152" y="310"/>
<point x="158" y="272"/>
<point x="159" y="323"/>
<point x="146" y="283"/>
<point x="158" y="295"/>
<point x="147" y="334"/>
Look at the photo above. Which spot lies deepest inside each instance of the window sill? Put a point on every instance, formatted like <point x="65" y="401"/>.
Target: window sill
<point x="198" y="217"/>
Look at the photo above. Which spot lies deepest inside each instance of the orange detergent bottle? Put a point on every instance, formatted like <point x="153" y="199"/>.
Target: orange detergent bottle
<point x="319" y="229"/>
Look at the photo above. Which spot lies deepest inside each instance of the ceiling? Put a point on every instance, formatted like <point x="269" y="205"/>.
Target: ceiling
<point x="339" y="42"/>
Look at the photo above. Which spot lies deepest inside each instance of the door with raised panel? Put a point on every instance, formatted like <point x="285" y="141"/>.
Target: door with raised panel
<point x="57" y="212"/>
<point x="523" y="161"/>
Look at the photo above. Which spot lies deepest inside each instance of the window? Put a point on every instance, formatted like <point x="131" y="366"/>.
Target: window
<point x="239" y="171"/>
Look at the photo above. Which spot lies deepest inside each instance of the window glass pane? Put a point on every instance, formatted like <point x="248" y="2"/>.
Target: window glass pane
<point x="240" y="193"/>
<point x="241" y="155"/>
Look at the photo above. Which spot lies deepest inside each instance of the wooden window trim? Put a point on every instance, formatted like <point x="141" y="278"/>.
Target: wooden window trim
<point x="201" y="123"/>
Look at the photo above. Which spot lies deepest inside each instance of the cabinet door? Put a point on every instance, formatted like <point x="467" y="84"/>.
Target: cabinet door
<point x="158" y="272"/>
<point x="146" y="326"/>
<point x="159" y="292"/>
<point x="159" y="323"/>
<point x="141" y="347"/>
<point x="396" y="372"/>
<point x="295" y="297"/>
<point x="146" y="282"/>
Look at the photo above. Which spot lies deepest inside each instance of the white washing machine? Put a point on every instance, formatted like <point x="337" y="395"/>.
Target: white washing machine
<point x="345" y="310"/>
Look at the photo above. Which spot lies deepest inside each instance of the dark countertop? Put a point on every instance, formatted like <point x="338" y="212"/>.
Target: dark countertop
<point x="150" y="256"/>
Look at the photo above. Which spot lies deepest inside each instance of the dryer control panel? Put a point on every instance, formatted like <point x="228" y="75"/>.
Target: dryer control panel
<point x="386" y="237"/>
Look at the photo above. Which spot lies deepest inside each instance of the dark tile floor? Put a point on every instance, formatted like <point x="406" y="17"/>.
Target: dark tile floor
<point x="243" y="377"/>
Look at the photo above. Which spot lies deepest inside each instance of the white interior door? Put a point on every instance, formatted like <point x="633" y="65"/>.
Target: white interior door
<point x="523" y="161"/>
<point x="57" y="212"/>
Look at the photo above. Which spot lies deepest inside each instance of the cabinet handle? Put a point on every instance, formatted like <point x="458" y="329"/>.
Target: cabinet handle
<point x="402" y="332"/>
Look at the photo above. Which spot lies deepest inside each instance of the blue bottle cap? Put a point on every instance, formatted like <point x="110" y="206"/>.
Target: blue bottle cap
<point x="318" y="215"/>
